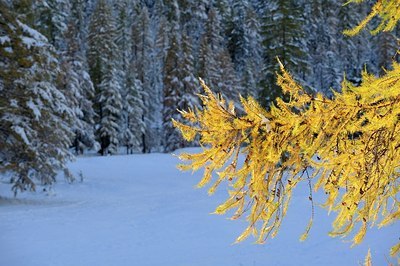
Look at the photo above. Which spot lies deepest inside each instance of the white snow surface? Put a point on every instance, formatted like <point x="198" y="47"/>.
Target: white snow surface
<point x="140" y="210"/>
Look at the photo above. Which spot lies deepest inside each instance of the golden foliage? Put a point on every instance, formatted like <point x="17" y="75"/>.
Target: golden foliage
<point x="387" y="10"/>
<point x="368" y="260"/>
<point x="351" y="142"/>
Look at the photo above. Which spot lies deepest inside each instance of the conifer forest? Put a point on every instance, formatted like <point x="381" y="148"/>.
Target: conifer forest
<point x="109" y="75"/>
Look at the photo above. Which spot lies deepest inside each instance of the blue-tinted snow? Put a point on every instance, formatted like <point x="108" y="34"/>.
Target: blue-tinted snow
<point x="140" y="210"/>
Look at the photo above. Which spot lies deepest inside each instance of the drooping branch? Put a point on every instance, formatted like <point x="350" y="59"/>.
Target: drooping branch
<point x="351" y="142"/>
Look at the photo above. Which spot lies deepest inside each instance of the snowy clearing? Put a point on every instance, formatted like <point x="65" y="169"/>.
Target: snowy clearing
<point x="140" y="210"/>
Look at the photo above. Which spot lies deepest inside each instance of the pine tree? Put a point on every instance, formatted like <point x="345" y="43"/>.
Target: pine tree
<point x="123" y="36"/>
<point x="180" y="85"/>
<point x="35" y="118"/>
<point x="323" y="46"/>
<point x="158" y="56"/>
<point x="78" y="84"/>
<point x="253" y="54"/>
<point x="227" y="81"/>
<point x="236" y="35"/>
<point x="103" y="69"/>
<point x="223" y="9"/>
<point x="173" y="86"/>
<point x="100" y="42"/>
<point x="25" y="11"/>
<point x="161" y="43"/>
<point x="215" y="63"/>
<point x="110" y="102"/>
<point x="141" y="56"/>
<point x="189" y="82"/>
<point x="210" y="45"/>
<point x="244" y="44"/>
<point x="50" y="18"/>
<point x="133" y="108"/>
<point x="353" y="49"/>
<point x="283" y="37"/>
<point x="193" y="17"/>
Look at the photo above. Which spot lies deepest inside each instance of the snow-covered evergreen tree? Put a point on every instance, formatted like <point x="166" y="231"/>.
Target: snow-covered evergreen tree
<point x="110" y="102"/>
<point x="282" y="31"/>
<point x="158" y="55"/>
<point x="180" y="84"/>
<point x="215" y="63"/>
<point x="192" y="19"/>
<point x="51" y="18"/>
<point x="252" y="72"/>
<point x="323" y="46"/>
<point x="237" y="39"/>
<point x="79" y="86"/>
<point x="223" y="9"/>
<point x="35" y="118"/>
<point x="104" y="72"/>
<point x="189" y="82"/>
<point x="123" y="36"/>
<point x="353" y="49"/>
<point x="122" y="13"/>
<point x="142" y="51"/>
<point x="210" y="44"/>
<point x="173" y="86"/>
<point x="133" y="107"/>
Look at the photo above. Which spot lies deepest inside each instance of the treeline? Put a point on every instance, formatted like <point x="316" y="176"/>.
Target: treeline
<point x="108" y="75"/>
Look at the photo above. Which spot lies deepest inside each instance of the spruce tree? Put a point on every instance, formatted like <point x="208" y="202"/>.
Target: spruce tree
<point x="353" y="49"/>
<point x="180" y="85"/>
<point x="189" y="82"/>
<point x="50" y="17"/>
<point x="103" y="69"/>
<point x="282" y="32"/>
<point x="236" y="35"/>
<point x="161" y="44"/>
<point x="211" y="44"/>
<point x="252" y="72"/>
<point x="142" y="49"/>
<point x="323" y="46"/>
<point x="110" y="102"/>
<point x="133" y="107"/>
<point x="123" y="37"/>
<point x="215" y="63"/>
<point x="123" y="22"/>
<point x="78" y="84"/>
<point x="35" y="116"/>
<point x="192" y="19"/>
<point x="173" y="86"/>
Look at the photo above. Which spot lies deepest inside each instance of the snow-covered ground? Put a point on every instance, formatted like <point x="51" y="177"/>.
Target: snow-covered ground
<point x="140" y="210"/>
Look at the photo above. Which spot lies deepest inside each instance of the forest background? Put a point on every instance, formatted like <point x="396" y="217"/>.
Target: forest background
<point x="109" y="76"/>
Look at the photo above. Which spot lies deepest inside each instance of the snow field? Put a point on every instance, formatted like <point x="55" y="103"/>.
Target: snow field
<point x="140" y="210"/>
